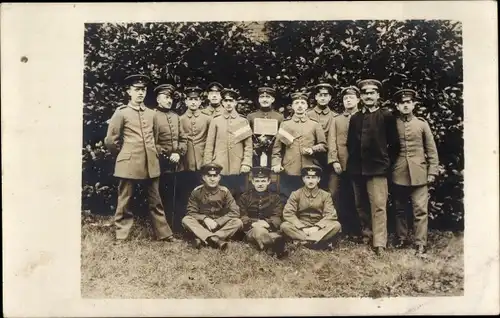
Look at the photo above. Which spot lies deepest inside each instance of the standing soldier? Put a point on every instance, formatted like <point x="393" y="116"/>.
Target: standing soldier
<point x="301" y="137"/>
<point x="261" y="211"/>
<point x="340" y="184"/>
<point x="168" y="148"/>
<point x="415" y="167"/>
<point x="229" y="144"/>
<point x="263" y="143"/>
<point x="131" y="136"/>
<point x="309" y="214"/>
<point x="214" y="100"/>
<point x="212" y="214"/>
<point x="193" y="131"/>
<point x="372" y="144"/>
<point x="324" y="115"/>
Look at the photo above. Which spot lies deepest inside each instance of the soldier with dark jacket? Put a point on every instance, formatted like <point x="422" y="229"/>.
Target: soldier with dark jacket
<point x="372" y="144"/>
<point x="415" y="167"/>
<point x="212" y="213"/>
<point x="261" y="213"/>
<point x="132" y="136"/>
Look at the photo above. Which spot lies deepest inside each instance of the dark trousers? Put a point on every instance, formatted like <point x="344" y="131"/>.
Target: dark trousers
<point x="288" y="184"/>
<point x="236" y="183"/>
<point x="186" y="182"/>
<point x="340" y="187"/>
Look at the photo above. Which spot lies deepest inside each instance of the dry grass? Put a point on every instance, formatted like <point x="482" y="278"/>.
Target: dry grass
<point x="142" y="268"/>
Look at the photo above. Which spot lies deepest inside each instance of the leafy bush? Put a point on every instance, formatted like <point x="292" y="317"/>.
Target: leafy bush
<point x="424" y="55"/>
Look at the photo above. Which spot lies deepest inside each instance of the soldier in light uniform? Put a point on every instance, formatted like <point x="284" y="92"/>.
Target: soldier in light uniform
<point x="212" y="214"/>
<point x="263" y="144"/>
<point x="214" y="108"/>
<point x="132" y="136"/>
<point x="261" y="211"/>
<point x="324" y="115"/>
<point x="301" y="138"/>
<point x="372" y="144"/>
<point x="193" y="132"/>
<point x="415" y="167"/>
<point x="340" y="184"/>
<point x="309" y="215"/>
<point x="229" y="144"/>
<point x="168" y="148"/>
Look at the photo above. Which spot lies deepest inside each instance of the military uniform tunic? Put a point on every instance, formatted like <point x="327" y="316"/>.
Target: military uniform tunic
<point x="213" y="111"/>
<point x="194" y="132"/>
<point x="168" y="136"/>
<point x="323" y="116"/>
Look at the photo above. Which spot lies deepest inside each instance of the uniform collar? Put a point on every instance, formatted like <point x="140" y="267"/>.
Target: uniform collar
<point x="212" y="190"/>
<point x="325" y="111"/>
<point x="347" y="114"/>
<point x="260" y="193"/>
<point x="372" y="111"/>
<point x="215" y="109"/>
<point x="407" y="118"/>
<point x="141" y="107"/>
<point x="265" y="109"/>
<point x="297" y="119"/>
<point x="164" y="110"/>
<point x="233" y="114"/>
<point x="190" y="113"/>
<point x="311" y="193"/>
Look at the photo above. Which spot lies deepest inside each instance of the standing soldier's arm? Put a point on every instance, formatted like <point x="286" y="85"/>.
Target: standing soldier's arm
<point x="162" y="133"/>
<point x="320" y="145"/>
<point x="193" y="207"/>
<point x="247" y="152"/>
<point x="277" y="210"/>
<point x="243" y="203"/>
<point x="430" y="151"/>
<point x="113" y="140"/>
<point x="333" y="155"/>
<point x="182" y="139"/>
<point x="329" y="212"/>
<point x="210" y="144"/>
<point x="276" y="153"/>
<point x="291" y="207"/>
<point x="233" y="211"/>
<point x="392" y="136"/>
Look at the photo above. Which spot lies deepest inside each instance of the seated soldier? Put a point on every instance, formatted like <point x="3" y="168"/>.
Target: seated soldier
<point x="309" y="215"/>
<point x="261" y="214"/>
<point x="212" y="214"/>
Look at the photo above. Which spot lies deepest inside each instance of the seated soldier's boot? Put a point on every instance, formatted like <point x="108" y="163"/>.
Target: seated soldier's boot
<point x="420" y="250"/>
<point x="196" y="243"/>
<point x="215" y="242"/>
<point x="400" y="243"/>
<point x="379" y="250"/>
<point x="279" y="247"/>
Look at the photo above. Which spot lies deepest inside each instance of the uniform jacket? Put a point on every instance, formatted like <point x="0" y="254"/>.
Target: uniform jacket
<point x="132" y="136"/>
<point x="418" y="156"/>
<point x="322" y="116"/>
<point x="294" y="135"/>
<point x="193" y="132"/>
<point x="372" y="142"/>
<point x="306" y="208"/>
<point x="337" y="140"/>
<point x="256" y="206"/>
<point x="271" y="114"/>
<point x="229" y="143"/>
<point x="168" y="137"/>
<point x="217" y="204"/>
<point x="213" y="112"/>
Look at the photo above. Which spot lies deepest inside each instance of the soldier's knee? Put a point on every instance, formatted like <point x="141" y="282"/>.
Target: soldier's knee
<point x="237" y="223"/>
<point x="337" y="227"/>
<point x="286" y="226"/>
<point x="187" y="220"/>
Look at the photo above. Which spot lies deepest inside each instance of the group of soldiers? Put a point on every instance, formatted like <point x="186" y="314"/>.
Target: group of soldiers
<point x="274" y="179"/>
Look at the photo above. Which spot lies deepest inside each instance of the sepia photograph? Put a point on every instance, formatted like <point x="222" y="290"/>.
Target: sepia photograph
<point x="268" y="159"/>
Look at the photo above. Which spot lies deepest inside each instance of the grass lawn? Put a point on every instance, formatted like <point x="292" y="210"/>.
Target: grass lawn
<point x="143" y="268"/>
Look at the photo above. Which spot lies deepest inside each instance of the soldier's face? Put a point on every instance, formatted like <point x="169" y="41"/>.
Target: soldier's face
<point x="311" y="182"/>
<point x="261" y="184"/>
<point x="211" y="179"/>
<point x="164" y="101"/>
<point x="323" y="97"/>
<point x="193" y="103"/>
<point x="266" y="100"/>
<point x="137" y="94"/>
<point x="299" y="106"/>
<point x="214" y="97"/>
<point x="369" y="96"/>
<point x="229" y="103"/>
<point x="350" y="101"/>
<point x="406" y="105"/>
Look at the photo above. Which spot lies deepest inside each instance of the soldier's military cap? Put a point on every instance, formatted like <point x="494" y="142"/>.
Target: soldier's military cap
<point x="193" y="91"/>
<point x="265" y="89"/>
<point x="323" y="86"/>
<point x="229" y="92"/>
<point x="164" y="89"/>
<point x="405" y="92"/>
<point x="369" y="83"/>
<point x="137" y="80"/>
<point x="299" y="95"/>
<point x="261" y="172"/>
<point x="211" y="168"/>
<point x="350" y="90"/>
<point x="311" y="171"/>
<point x="214" y="86"/>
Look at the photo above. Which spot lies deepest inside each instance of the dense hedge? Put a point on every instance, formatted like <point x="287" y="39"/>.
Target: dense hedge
<point x="424" y="55"/>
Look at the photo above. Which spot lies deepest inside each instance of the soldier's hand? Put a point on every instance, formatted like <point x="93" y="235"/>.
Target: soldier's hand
<point x="308" y="151"/>
<point x="337" y="168"/>
<point x="211" y="224"/>
<point x="245" y="169"/>
<point x="175" y="157"/>
<point x="313" y="229"/>
<point x="261" y="223"/>
<point x="318" y="148"/>
<point x="277" y="168"/>
<point x="431" y="178"/>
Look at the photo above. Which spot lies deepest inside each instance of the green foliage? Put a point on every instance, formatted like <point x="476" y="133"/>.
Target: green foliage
<point x="423" y="55"/>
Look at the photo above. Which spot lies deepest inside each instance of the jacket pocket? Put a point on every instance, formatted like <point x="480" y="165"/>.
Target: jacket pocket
<point x="123" y="156"/>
